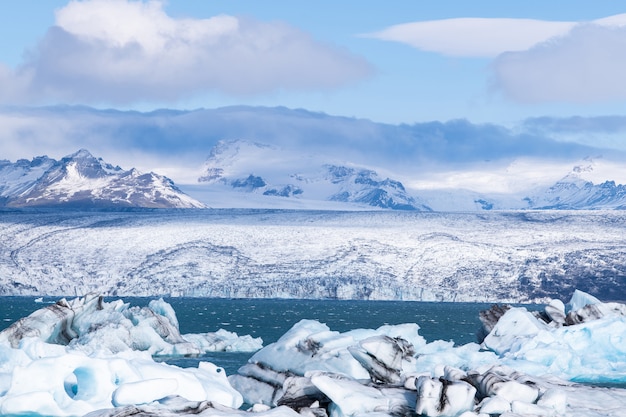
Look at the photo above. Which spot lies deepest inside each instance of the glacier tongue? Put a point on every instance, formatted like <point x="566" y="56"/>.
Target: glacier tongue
<point x="504" y="256"/>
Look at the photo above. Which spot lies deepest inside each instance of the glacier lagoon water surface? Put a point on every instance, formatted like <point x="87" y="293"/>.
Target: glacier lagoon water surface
<point x="271" y="318"/>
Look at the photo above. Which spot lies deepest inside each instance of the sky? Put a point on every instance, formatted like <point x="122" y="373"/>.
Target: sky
<point x="396" y="62"/>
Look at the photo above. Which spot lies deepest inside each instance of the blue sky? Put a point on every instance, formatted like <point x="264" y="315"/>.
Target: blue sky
<point x="558" y="58"/>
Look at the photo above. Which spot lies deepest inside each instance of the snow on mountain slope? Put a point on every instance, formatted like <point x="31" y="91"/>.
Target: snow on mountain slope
<point x="242" y="170"/>
<point x="583" y="187"/>
<point x="81" y="180"/>
<point x="449" y="166"/>
<point x="381" y="254"/>
<point x="277" y="172"/>
<point x="16" y="178"/>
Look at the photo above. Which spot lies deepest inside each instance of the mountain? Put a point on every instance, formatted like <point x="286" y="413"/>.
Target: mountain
<point x="250" y="167"/>
<point x="574" y="192"/>
<point x="80" y="180"/>
<point x="240" y="170"/>
<point x="294" y="154"/>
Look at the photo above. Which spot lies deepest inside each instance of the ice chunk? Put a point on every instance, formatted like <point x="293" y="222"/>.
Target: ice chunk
<point x="494" y="406"/>
<point x="555" y="311"/>
<point x="143" y="392"/>
<point x="513" y="329"/>
<point x="592" y="312"/>
<point x="440" y="397"/>
<point x="382" y="356"/>
<point x="75" y="384"/>
<point x="554" y="399"/>
<point x="164" y="309"/>
<point x="350" y="398"/>
<point x="178" y="406"/>
<point x="579" y="300"/>
<point x="300" y="392"/>
<point x="311" y="346"/>
<point x="91" y="325"/>
<point x="493" y="383"/>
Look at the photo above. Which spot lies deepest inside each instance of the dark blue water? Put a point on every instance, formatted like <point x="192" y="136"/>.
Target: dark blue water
<point x="270" y="319"/>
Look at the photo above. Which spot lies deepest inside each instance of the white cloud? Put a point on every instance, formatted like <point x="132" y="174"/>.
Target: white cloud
<point x="587" y="65"/>
<point x="473" y="37"/>
<point x="120" y="51"/>
<point x="118" y="23"/>
<point x="482" y="37"/>
<point x="534" y="60"/>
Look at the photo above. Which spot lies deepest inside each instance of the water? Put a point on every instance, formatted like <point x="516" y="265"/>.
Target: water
<point x="270" y="319"/>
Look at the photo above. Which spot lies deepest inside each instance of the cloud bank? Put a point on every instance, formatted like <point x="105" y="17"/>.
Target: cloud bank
<point x="187" y="137"/>
<point x="587" y="65"/>
<point x="534" y="61"/>
<point x="119" y="52"/>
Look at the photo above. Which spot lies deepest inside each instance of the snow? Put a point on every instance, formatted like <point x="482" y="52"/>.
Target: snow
<point x="509" y="184"/>
<point x="80" y="179"/>
<point x="505" y="256"/>
<point x="314" y="371"/>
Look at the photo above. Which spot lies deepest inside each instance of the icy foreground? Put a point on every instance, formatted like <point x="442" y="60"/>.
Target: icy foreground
<point x="73" y="357"/>
<point x="527" y="365"/>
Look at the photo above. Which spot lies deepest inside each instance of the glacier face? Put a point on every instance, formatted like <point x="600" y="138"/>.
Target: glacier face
<point x="394" y="255"/>
<point x="81" y="180"/>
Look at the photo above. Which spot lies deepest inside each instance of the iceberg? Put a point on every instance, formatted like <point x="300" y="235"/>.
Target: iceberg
<point x="558" y="362"/>
<point x="91" y="325"/>
<point x="78" y="356"/>
<point x="527" y="365"/>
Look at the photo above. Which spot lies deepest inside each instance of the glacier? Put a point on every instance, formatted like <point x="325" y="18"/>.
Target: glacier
<point x="314" y="371"/>
<point x="378" y="255"/>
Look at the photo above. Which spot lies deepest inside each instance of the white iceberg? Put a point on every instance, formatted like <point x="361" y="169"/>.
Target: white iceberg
<point x="73" y="384"/>
<point x="82" y="355"/>
<point x="528" y="364"/>
<point x="90" y="324"/>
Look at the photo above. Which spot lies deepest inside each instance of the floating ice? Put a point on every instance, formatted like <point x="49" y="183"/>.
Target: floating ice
<point x="91" y="325"/>
<point x="593" y="351"/>
<point x="74" y="357"/>
<point x="528" y="364"/>
<point x="72" y="383"/>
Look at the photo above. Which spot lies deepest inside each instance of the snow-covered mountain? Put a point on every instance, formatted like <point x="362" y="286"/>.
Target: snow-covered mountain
<point x="248" y="167"/>
<point x="444" y="166"/>
<point x="578" y="191"/>
<point x="240" y="170"/>
<point x="83" y="181"/>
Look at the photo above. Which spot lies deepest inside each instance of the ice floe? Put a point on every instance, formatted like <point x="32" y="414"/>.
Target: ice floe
<point x="73" y="357"/>
<point x="60" y="362"/>
<point x="90" y="324"/>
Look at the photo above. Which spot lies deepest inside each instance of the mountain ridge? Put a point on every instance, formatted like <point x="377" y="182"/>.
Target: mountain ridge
<point x="80" y="180"/>
<point x="244" y="168"/>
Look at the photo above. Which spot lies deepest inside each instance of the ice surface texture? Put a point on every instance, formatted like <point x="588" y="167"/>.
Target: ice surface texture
<point x="508" y="257"/>
<point x="393" y="371"/>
